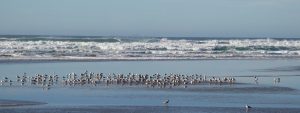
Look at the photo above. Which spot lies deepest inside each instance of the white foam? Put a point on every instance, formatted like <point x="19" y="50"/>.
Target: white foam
<point x="164" y="48"/>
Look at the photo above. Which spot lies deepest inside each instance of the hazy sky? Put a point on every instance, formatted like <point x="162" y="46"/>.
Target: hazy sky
<point x="204" y="18"/>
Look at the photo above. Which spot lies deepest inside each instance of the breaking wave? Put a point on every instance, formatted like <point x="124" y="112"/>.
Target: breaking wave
<point x="93" y="47"/>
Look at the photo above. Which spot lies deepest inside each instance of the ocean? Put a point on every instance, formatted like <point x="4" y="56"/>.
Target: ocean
<point x="144" y="48"/>
<point x="264" y="58"/>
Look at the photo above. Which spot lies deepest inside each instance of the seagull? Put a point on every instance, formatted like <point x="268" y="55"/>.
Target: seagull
<point x="248" y="107"/>
<point x="166" y="101"/>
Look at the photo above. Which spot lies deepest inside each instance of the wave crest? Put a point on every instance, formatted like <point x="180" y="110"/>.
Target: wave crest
<point x="146" y="48"/>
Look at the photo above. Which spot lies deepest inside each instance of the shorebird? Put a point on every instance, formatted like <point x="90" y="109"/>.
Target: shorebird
<point x="276" y="80"/>
<point x="166" y="101"/>
<point x="247" y="106"/>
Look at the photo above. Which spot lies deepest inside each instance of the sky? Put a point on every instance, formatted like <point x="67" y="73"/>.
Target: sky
<point x="170" y="18"/>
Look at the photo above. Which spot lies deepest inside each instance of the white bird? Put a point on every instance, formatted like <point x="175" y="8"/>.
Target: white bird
<point x="247" y="106"/>
<point x="166" y="101"/>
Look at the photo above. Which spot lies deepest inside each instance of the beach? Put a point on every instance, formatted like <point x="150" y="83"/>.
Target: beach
<point x="149" y="56"/>
<point x="146" y="109"/>
<point x="148" y="74"/>
<point x="264" y="96"/>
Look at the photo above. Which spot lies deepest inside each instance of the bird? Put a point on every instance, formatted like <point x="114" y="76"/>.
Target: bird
<point x="247" y="106"/>
<point x="166" y="101"/>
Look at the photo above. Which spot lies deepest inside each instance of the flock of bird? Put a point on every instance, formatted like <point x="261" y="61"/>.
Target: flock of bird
<point x="90" y="78"/>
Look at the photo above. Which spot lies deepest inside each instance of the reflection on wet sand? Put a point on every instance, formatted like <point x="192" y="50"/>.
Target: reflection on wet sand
<point x="90" y="78"/>
<point x="12" y="103"/>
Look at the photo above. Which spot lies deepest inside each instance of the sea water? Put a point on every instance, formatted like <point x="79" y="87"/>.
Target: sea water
<point x="141" y="48"/>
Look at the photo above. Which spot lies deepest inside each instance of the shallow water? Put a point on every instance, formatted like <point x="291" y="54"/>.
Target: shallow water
<point x="145" y="109"/>
<point x="265" y="94"/>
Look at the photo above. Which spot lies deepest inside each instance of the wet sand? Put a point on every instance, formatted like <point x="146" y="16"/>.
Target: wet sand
<point x="12" y="103"/>
<point x="265" y="96"/>
<point x="235" y="89"/>
<point x="146" y="109"/>
<point x="203" y="87"/>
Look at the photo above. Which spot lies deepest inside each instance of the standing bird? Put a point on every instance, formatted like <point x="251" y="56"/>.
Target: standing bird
<point x="256" y="79"/>
<point x="247" y="106"/>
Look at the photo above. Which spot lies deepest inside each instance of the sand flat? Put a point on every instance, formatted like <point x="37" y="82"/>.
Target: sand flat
<point x="146" y="109"/>
<point x="11" y="103"/>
